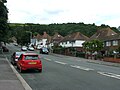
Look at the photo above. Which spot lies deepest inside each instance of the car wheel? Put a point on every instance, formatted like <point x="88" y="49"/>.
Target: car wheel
<point x="17" y="67"/>
<point x="13" y="63"/>
<point x="40" y="70"/>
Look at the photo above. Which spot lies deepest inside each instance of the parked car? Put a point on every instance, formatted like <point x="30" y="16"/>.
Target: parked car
<point x="15" y="44"/>
<point x="15" y="56"/>
<point x="38" y="47"/>
<point x="5" y="49"/>
<point x="29" y="61"/>
<point x="24" y="48"/>
<point x="44" y="50"/>
<point x="30" y="48"/>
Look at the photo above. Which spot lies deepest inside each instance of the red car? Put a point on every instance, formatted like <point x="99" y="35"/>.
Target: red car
<point x="29" y="61"/>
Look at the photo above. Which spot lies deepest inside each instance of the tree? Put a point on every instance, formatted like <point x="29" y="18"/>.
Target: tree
<point x="93" y="46"/>
<point x="3" y="21"/>
<point x="23" y="37"/>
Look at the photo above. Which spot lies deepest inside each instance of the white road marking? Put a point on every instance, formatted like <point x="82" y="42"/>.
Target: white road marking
<point x="78" y="60"/>
<point x="61" y="62"/>
<point x="117" y="76"/>
<point x="82" y="68"/>
<point x="47" y="59"/>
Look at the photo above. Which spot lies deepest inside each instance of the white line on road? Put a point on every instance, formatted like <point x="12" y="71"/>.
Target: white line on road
<point x="61" y="62"/>
<point x="47" y="59"/>
<point x="78" y="60"/>
<point x="117" y="76"/>
<point x="82" y="68"/>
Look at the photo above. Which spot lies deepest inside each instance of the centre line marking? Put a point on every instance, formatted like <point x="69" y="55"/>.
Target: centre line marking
<point x="61" y="62"/>
<point x="47" y="59"/>
<point x="82" y="68"/>
<point x="117" y="76"/>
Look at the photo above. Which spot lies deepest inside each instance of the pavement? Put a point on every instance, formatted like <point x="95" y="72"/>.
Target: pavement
<point x="10" y="79"/>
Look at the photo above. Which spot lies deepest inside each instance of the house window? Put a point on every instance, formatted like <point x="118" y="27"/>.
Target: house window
<point x="73" y="42"/>
<point x="70" y="42"/>
<point x="108" y="43"/>
<point x="115" y="43"/>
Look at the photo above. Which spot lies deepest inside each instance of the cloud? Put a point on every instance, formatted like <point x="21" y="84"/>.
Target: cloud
<point x="63" y="11"/>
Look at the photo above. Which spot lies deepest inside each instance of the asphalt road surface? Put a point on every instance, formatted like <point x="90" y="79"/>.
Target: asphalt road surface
<point x="70" y="73"/>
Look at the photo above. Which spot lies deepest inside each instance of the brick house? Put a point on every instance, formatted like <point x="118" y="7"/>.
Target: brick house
<point x="111" y="43"/>
<point x="110" y="39"/>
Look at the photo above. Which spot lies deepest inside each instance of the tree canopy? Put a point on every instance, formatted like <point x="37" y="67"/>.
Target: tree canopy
<point x="63" y="29"/>
<point x="92" y="46"/>
<point x="3" y="22"/>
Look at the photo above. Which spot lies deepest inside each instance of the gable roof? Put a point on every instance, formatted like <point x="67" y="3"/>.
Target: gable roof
<point x="57" y="37"/>
<point x="46" y="36"/>
<point x="38" y="37"/>
<point x="75" y="36"/>
<point x="101" y="34"/>
<point x="113" y="37"/>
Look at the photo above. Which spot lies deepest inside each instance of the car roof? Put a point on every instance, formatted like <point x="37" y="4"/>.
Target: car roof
<point x="30" y="54"/>
<point x="19" y="52"/>
<point x="24" y="46"/>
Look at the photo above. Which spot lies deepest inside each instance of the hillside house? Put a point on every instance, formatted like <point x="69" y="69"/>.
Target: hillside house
<point x="109" y="38"/>
<point x="102" y="34"/>
<point x="42" y="40"/>
<point x="73" y="41"/>
<point x="112" y="43"/>
<point x="56" y="39"/>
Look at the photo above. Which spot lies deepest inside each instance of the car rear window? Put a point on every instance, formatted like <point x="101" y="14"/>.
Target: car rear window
<point x="45" y="49"/>
<point x="31" y="57"/>
<point x="19" y="53"/>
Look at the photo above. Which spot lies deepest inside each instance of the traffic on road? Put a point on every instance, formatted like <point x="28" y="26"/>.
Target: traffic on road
<point x="61" y="72"/>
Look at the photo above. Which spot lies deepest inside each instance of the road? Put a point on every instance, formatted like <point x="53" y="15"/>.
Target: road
<point x="70" y="73"/>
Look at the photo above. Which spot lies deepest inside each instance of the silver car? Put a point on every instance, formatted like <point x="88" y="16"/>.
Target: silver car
<point x="15" y="56"/>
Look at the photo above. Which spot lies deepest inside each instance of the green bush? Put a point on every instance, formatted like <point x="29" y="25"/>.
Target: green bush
<point x="80" y="54"/>
<point x="59" y="50"/>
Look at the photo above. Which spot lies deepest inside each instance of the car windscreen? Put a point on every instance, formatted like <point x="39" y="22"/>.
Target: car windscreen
<point x="31" y="57"/>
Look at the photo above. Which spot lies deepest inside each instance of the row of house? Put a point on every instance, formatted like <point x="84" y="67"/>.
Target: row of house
<point x="110" y="38"/>
<point x="75" y="40"/>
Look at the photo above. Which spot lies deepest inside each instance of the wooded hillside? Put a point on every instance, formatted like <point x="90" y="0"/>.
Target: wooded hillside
<point x="64" y="29"/>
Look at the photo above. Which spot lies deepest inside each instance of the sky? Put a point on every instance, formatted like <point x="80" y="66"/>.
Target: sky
<point x="65" y="11"/>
